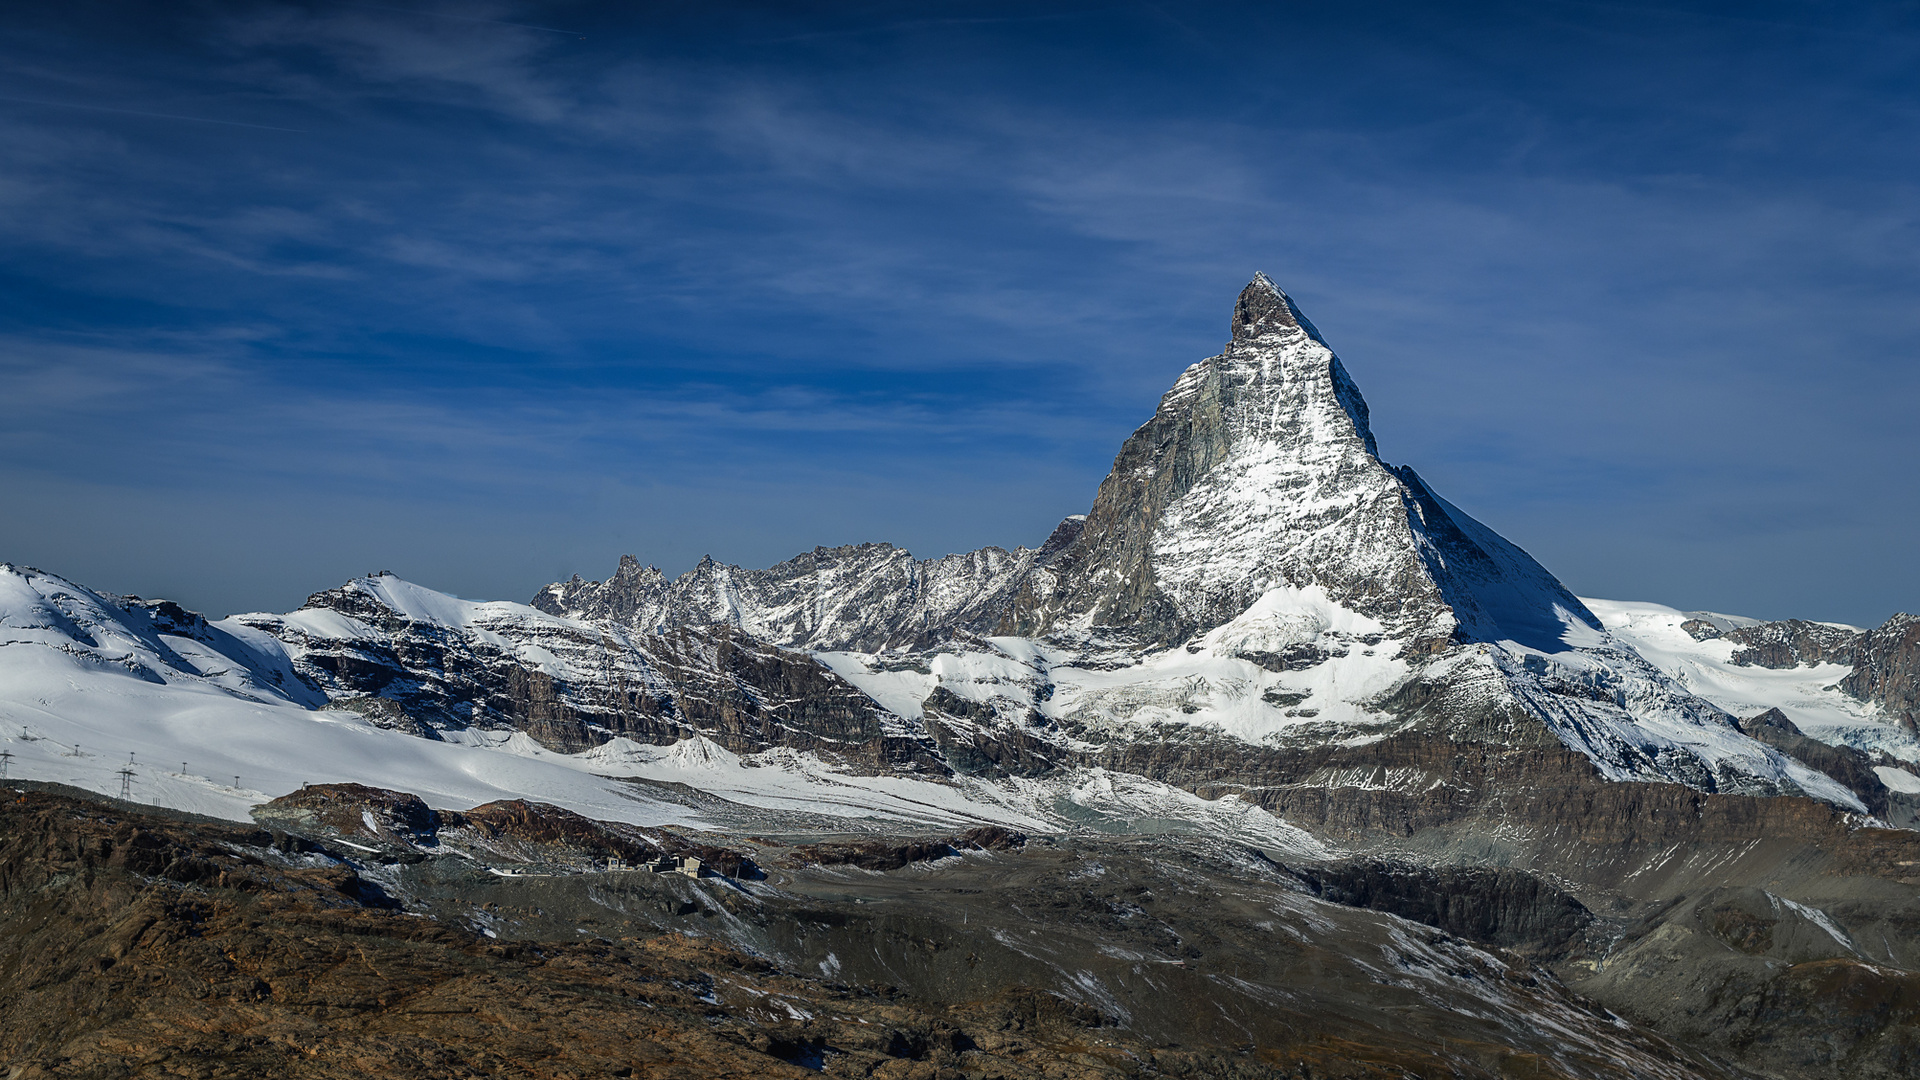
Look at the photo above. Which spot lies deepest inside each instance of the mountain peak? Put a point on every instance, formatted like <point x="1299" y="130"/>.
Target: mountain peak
<point x="1259" y="472"/>
<point x="1264" y="309"/>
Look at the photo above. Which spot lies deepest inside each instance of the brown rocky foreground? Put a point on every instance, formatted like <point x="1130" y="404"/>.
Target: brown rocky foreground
<point x="140" y="944"/>
<point x="141" y="947"/>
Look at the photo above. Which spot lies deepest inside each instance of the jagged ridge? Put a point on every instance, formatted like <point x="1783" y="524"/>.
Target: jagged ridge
<point x="1250" y="571"/>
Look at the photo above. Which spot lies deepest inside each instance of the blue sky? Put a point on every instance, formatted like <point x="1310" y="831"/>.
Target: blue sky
<point x="491" y="293"/>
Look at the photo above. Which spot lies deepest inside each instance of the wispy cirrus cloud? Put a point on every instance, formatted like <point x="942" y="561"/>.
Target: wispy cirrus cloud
<point x="1611" y="277"/>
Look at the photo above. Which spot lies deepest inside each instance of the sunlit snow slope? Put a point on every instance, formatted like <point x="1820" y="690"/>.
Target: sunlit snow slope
<point x="1251" y="575"/>
<point x="1250" y="568"/>
<point x="212" y="718"/>
<point x="1808" y="694"/>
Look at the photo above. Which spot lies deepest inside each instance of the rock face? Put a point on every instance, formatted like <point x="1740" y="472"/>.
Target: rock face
<point x="511" y="831"/>
<point x="1886" y="668"/>
<point x="1495" y="905"/>
<point x="866" y="597"/>
<point x="1768" y="982"/>
<point x="1792" y="643"/>
<point x="1885" y="660"/>
<point x="1844" y="763"/>
<point x="1259" y="470"/>
<point x="390" y="817"/>
<point x="886" y="855"/>
<point x="426" y="663"/>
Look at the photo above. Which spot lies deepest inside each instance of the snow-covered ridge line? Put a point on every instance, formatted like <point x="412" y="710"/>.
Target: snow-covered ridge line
<point x="1296" y="667"/>
<point x="1257" y="482"/>
<point x="91" y="685"/>
<point x="1250" y="573"/>
<point x="1810" y="694"/>
<point x="867" y="597"/>
<point x="111" y="676"/>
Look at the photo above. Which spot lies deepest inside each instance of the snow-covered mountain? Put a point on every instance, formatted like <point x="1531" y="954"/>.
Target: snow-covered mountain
<point x="388" y="684"/>
<point x="1250" y="566"/>
<point x="1840" y="685"/>
<point x="1251" y="578"/>
<point x="1258" y="471"/>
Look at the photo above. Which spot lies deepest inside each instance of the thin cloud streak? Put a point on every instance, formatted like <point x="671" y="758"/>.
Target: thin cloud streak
<point x="467" y="18"/>
<point x="1584" y="273"/>
<point x="148" y="115"/>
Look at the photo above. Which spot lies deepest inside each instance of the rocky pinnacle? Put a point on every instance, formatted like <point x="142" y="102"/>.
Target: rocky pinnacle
<point x="1259" y="471"/>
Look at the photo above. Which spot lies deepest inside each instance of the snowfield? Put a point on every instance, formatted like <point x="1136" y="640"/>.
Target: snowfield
<point x="91" y="685"/>
<point x="89" y="688"/>
<point x="1807" y="695"/>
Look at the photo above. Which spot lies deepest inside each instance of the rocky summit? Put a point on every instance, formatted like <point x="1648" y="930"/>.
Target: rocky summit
<point x="1252" y="523"/>
<point x="1271" y="763"/>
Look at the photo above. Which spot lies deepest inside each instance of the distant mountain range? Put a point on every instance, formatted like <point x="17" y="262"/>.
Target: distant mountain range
<point x="1259" y="632"/>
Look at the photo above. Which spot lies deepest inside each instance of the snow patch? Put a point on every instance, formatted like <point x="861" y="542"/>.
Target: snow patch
<point x="1898" y="779"/>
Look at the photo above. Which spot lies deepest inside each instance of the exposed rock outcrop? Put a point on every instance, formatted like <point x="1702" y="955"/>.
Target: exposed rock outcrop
<point x="894" y="854"/>
<point x="512" y="831"/>
<point x="398" y="818"/>
<point x="1768" y="981"/>
<point x="1495" y="905"/>
<point x="1886" y="669"/>
<point x="1792" y="643"/>
<point x="1844" y="763"/>
<point x="1885" y="660"/>
<point x="864" y="597"/>
<point x="407" y="663"/>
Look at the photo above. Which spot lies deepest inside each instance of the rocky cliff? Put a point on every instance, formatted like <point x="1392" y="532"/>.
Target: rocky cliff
<point x="1886" y="669"/>
<point x="865" y="597"/>
<point x="1259" y="470"/>
<point x="427" y="663"/>
<point x="1885" y="660"/>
